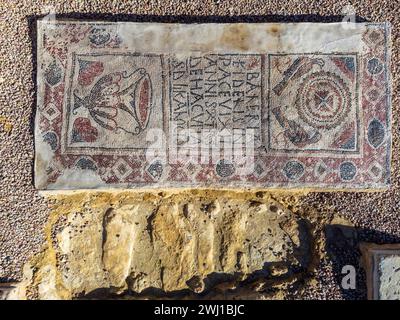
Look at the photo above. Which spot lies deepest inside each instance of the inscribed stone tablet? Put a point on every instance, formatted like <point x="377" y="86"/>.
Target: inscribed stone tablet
<point x="224" y="105"/>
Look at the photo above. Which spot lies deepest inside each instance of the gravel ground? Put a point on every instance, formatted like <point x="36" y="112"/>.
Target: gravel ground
<point x="23" y="213"/>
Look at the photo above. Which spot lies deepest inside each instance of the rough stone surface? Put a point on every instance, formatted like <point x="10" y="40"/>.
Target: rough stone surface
<point x="8" y="290"/>
<point x="389" y="276"/>
<point x="368" y="217"/>
<point x="146" y="243"/>
<point x="221" y="105"/>
<point x="382" y="263"/>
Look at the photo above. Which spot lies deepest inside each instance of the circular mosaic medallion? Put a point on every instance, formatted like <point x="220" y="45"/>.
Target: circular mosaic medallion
<point x="374" y="66"/>
<point x="323" y="100"/>
<point x="293" y="169"/>
<point x="347" y="171"/>
<point x="224" y="168"/>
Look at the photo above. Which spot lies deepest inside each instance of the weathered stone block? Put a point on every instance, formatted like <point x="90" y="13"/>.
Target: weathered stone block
<point x="130" y="243"/>
<point x="228" y="105"/>
<point x="382" y="264"/>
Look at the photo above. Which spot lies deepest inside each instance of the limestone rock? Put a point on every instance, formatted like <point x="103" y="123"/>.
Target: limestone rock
<point x="136" y="242"/>
<point x="7" y="290"/>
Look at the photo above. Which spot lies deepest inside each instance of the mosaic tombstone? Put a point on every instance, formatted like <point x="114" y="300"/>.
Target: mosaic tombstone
<point x="382" y="265"/>
<point x="148" y="105"/>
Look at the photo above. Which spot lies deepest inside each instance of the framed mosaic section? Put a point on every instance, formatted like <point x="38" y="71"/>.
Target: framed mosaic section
<point x="314" y="104"/>
<point x="147" y="105"/>
<point x="217" y="92"/>
<point x="111" y="101"/>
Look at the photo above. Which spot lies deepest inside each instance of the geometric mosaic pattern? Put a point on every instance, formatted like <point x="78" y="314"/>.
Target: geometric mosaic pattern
<point x="321" y="92"/>
<point x="319" y="120"/>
